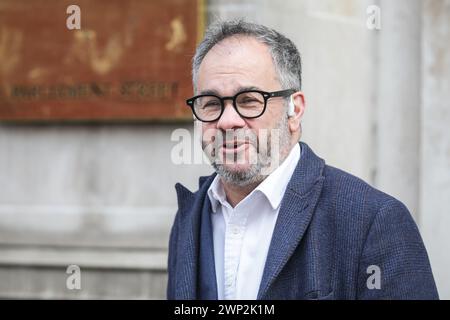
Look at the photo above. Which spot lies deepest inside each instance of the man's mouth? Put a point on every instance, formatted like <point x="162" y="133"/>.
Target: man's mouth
<point x="234" y="146"/>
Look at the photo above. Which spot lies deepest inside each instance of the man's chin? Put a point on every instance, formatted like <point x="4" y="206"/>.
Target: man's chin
<point x="237" y="169"/>
<point x="239" y="174"/>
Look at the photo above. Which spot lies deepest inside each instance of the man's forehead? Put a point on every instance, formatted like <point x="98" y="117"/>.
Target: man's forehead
<point x="237" y="89"/>
<point x="236" y="42"/>
<point x="237" y="62"/>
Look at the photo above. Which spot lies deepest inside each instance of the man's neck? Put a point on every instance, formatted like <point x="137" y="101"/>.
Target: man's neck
<point x="235" y="193"/>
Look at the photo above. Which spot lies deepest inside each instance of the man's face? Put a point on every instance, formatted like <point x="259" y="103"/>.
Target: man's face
<point x="231" y="66"/>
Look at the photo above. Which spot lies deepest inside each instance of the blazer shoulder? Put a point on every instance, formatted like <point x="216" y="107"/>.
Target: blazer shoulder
<point x="356" y="195"/>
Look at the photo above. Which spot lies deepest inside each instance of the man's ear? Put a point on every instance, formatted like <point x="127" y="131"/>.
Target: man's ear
<point x="298" y="99"/>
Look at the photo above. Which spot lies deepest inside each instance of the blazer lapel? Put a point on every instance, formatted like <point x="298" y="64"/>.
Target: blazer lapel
<point x="297" y="208"/>
<point x="187" y="247"/>
<point x="191" y="206"/>
<point x="207" y="282"/>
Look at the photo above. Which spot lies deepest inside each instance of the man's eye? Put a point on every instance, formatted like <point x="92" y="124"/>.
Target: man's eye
<point x="211" y="104"/>
<point x="249" y="100"/>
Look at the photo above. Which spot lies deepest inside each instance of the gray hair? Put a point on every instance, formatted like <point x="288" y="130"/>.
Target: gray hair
<point x="285" y="54"/>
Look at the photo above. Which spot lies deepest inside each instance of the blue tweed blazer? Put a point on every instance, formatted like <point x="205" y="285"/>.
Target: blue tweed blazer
<point x="332" y="227"/>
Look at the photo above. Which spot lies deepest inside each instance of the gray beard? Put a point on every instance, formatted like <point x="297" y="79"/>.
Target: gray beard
<point x="254" y="175"/>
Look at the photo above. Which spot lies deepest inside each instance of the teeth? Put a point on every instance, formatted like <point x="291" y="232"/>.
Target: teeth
<point x="232" y="145"/>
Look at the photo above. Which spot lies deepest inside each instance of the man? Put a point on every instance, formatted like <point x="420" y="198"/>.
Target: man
<point x="274" y="221"/>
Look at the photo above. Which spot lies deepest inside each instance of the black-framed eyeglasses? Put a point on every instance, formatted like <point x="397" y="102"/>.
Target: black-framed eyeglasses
<point x="248" y="104"/>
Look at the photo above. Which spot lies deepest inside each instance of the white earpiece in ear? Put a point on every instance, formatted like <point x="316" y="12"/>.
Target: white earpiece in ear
<point x="291" y="108"/>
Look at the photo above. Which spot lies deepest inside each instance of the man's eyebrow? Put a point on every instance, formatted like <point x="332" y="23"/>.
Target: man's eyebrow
<point x="216" y="93"/>
<point x="213" y="92"/>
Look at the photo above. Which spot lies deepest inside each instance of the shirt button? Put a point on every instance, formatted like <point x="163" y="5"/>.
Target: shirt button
<point x="236" y="230"/>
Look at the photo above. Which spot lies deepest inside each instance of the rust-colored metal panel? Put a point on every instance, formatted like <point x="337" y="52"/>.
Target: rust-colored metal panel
<point x="129" y="61"/>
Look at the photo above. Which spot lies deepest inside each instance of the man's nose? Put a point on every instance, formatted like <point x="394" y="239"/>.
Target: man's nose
<point x="230" y="118"/>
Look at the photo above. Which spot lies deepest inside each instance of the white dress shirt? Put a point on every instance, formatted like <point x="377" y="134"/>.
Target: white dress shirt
<point x="242" y="234"/>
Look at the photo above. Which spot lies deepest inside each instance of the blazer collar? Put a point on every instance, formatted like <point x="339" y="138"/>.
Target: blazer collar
<point x="295" y="214"/>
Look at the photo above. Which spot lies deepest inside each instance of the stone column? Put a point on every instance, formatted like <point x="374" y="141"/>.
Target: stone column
<point x="398" y="102"/>
<point x="435" y="138"/>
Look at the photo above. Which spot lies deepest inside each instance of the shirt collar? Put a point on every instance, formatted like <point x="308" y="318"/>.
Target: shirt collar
<point x="273" y="187"/>
<point x="216" y="194"/>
